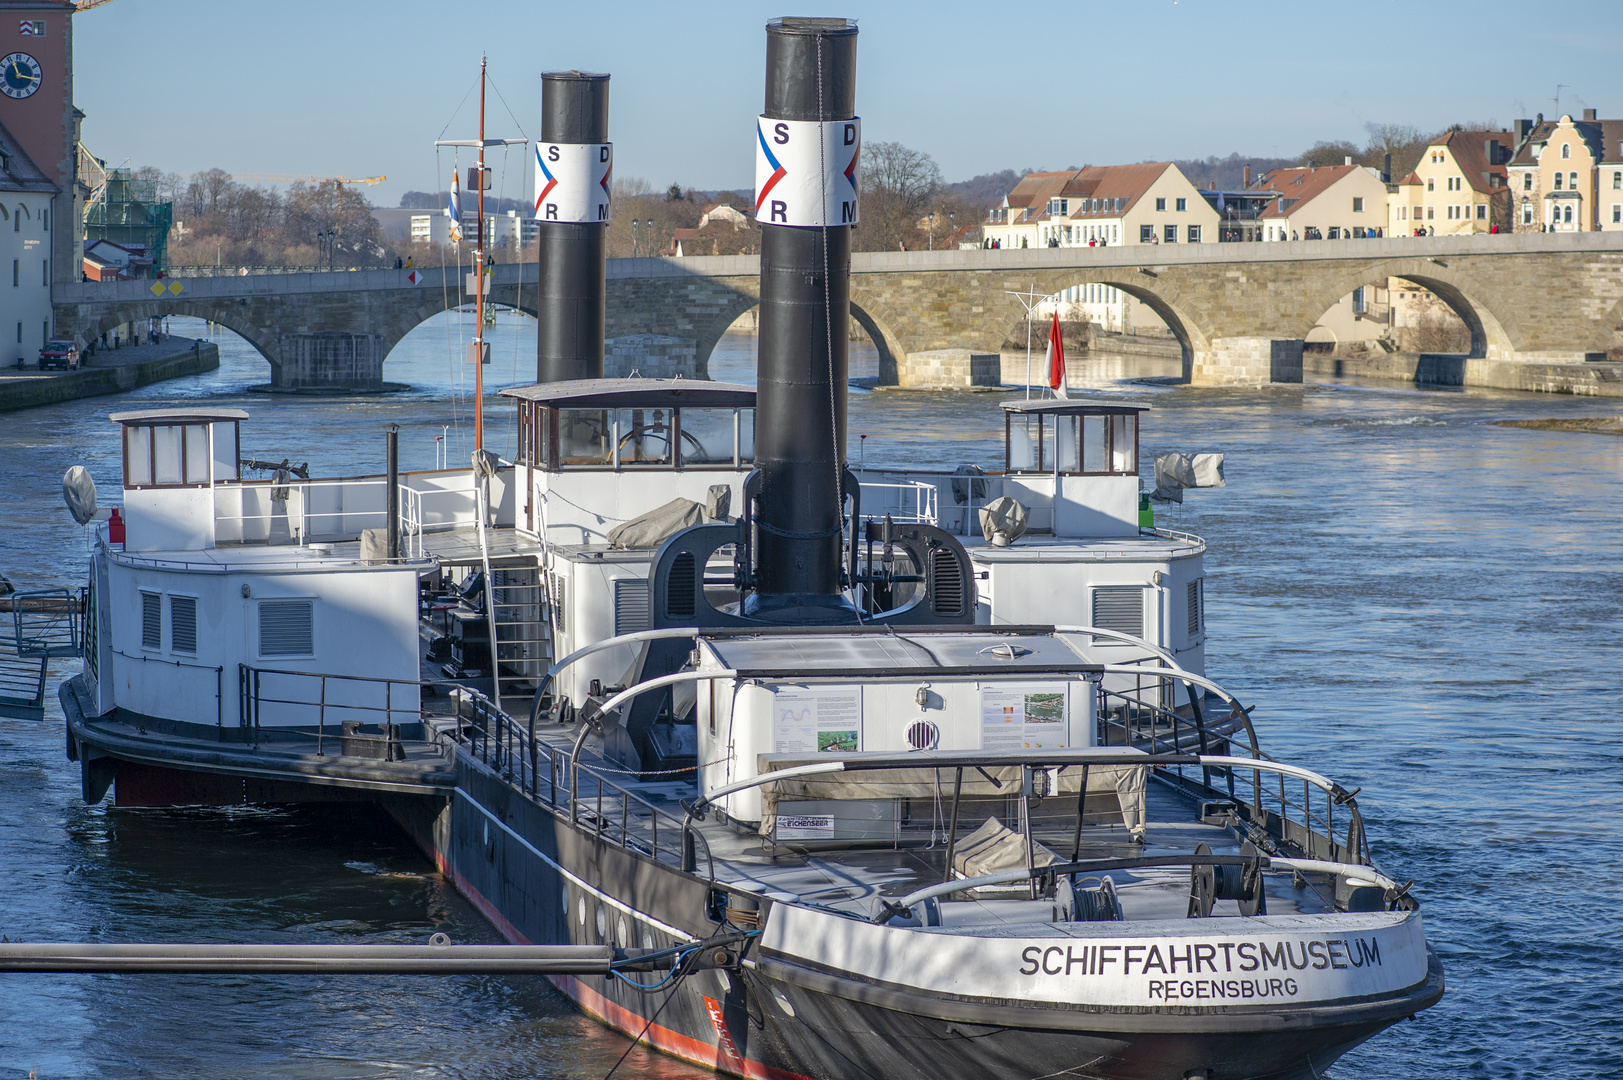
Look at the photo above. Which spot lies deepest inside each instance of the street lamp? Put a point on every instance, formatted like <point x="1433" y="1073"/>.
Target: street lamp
<point x="932" y="230"/>
<point x="648" y="235"/>
<point x="633" y="238"/>
<point x="326" y="241"/>
<point x="952" y="229"/>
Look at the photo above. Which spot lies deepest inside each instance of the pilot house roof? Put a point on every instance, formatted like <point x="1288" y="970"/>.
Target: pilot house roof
<point x="636" y="394"/>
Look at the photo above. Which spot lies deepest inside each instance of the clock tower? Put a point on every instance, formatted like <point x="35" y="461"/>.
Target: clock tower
<point x="36" y="106"/>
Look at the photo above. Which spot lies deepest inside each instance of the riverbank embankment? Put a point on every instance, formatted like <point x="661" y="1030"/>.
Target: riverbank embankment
<point x="1598" y="379"/>
<point x="111" y="371"/>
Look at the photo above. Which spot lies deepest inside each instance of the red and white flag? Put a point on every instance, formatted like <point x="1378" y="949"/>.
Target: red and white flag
<point x="1056" y="359"/>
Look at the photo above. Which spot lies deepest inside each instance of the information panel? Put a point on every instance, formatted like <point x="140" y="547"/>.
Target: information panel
<point x="816" y="720"/>
<point x="1024" y="716"/>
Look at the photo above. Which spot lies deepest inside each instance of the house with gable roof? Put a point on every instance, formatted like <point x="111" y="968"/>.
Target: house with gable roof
<point x="1148" y="203"/>
<point x="1322" y="202"/>
<point x="1459" y="186"/>
<point x="1567" y="175"/>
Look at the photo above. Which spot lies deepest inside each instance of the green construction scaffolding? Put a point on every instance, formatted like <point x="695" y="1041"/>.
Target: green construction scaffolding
<point x="127" y="211"/>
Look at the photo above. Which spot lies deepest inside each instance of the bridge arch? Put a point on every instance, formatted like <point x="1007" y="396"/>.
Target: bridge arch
<point x="1491" y="321"/>
<point x="885" y="340"/>
<point x="225" y="314"/>
<point x="1191" y="330"/>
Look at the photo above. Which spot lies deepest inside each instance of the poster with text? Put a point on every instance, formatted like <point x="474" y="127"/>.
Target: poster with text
<point x="1023" y="716"/>
<point x="816" y="720"/>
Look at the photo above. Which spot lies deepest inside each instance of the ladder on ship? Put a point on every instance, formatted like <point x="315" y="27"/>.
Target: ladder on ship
<point x="517" y="612"/>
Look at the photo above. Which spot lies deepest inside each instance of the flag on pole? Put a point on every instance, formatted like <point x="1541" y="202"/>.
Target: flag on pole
<point x="454" y="212"/>
<point x="1056" y="358"/>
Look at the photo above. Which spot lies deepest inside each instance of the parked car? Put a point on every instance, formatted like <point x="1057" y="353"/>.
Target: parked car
<point x="59" y="354"/>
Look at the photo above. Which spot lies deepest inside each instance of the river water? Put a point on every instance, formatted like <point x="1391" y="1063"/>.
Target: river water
<point x="1421" y="603"/>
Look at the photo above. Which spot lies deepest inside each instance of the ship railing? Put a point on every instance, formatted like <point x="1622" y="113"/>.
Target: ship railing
<point x="339" y="509"/>
<point x="334" y="705"/>
<point x="560" y="779"/>
<point x="1138" y="709"/>
<point x="911" y="502"/>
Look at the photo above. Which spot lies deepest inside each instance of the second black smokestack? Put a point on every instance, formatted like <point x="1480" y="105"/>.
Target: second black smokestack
<point x="805" y="165"/>
<point x="573" y="170"/>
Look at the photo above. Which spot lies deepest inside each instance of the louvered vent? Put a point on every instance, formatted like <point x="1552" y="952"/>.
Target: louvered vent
<point x="1196" y="605"/>
<point x="559" y="606"/>
<point x="183" y="624"/>
<point x="681" y="586"/>
<point x="630" y="606"/>
<point x="946" y="583"/>
<point x="151" y="621"/>
<point x="923" y="735"/>
<point x="1119" y="608"/>
<point x="286" y="627"/>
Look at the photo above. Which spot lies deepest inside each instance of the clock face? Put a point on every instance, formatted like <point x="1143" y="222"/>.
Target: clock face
<point x="20" y="75"/>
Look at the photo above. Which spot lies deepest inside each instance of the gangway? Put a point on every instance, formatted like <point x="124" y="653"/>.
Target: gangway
<point x="45" y="624"/>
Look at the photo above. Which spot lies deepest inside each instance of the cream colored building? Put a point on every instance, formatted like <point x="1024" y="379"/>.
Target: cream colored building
<point x="1458" y="187"/>
<point x="1568" y="176"/>
<point x="1323" y="202"/>
<point x="1150" y="203"/>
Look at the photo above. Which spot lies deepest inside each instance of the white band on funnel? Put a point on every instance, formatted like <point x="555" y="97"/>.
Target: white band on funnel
<point x="791" y="184"/>
<point x="572" y="181"/>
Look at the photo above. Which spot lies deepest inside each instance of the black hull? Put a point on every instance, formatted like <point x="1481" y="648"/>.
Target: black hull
<point x="523" y="866"/>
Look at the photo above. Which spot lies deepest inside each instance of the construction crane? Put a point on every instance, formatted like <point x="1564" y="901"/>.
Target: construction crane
<point x="289" y="178"/>
<point x="86" y="5"/>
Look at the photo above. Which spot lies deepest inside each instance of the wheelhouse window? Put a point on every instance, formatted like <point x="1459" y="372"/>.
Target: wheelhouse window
<point x="1073" y="445"/>
<point x="634" y="438"/>
<point x="170" y="455"/>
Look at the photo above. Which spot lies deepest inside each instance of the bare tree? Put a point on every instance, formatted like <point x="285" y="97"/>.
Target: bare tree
<point x="899" y="185"/>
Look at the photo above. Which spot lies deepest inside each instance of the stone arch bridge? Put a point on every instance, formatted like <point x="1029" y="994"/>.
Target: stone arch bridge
<point x="1240" y="311"/>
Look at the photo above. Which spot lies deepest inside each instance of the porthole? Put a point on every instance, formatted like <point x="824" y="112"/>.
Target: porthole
<point x="602" y="923"/>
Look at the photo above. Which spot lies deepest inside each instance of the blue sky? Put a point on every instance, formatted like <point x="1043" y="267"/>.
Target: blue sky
<point x="363" y="87"/>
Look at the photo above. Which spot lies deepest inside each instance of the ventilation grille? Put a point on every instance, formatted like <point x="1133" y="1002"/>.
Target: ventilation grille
<point x="286" y="627"/>
<point x="1119" y="608"/>
<point x="681" y="586"/>
<point x="630" y="606"/>
<point x="1196" y="606"/>
<point x="151" y="621"/>
<point x="923" y="735"/>
<point x="946" y="583"/>
<point x="558" y="604"/>
<point x="183" y="624"/>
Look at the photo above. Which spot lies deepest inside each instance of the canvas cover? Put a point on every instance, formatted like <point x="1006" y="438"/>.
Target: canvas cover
<point x="1126" y="781"/>
<point x="79" y="491"/>
<point x="657" y="525"/>
<point x="1002" y="520"/>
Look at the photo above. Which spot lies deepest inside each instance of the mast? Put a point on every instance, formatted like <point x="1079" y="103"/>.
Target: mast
<point x="479" y="282"/>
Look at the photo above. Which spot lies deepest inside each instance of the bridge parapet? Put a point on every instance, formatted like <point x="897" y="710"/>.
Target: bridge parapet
<point x="1526" y="296"/>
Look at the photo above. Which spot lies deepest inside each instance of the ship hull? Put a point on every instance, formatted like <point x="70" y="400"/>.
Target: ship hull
<point x="540" y="878"/>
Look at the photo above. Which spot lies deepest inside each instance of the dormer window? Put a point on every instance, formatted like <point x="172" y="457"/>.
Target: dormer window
<point x="1058" y="207"/>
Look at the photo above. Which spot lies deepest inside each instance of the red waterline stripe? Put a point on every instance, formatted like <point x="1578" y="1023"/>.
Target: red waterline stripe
<point x="606" y="1011"/>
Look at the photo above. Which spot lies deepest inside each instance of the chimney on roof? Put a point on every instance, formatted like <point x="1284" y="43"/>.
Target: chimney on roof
<point x="1211" y="185"/>
<point x="1347" y="160"/>
<point x="1522" y="128"/>
<point x="1245" y="176"/>
<point x="1589" y="114"/>
<point x="1386" y="168"/>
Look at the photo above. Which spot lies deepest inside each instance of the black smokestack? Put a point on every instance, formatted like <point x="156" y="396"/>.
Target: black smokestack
<point x="573" y="230"/>
<point x="805" y="306"/>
